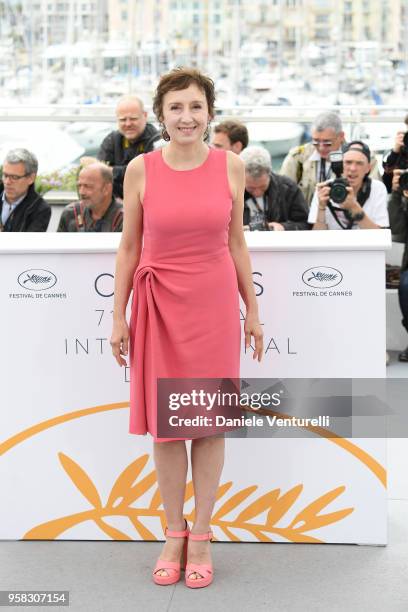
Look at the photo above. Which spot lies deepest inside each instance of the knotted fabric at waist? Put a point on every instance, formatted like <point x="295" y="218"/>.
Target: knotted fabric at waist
<point x="164" y="261"/>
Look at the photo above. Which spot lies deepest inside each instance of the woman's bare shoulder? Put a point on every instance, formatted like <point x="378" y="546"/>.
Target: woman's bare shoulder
<point x="236" y="174"/>
<point x="134" y="181"/>
<point x="136" y="167"/>
<point x="234" y="162"/>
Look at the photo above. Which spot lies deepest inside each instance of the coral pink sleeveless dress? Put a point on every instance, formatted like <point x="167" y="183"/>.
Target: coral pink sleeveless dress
<point x="185" y="320"/>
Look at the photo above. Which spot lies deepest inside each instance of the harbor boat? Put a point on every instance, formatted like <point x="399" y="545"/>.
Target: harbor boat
<point x="53" y="147"/>
<point x="89" y="135"/>
<point x="277" y="137"/>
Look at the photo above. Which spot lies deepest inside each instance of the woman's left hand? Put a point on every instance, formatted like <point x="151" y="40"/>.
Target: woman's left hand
<point x="252" y="327"/>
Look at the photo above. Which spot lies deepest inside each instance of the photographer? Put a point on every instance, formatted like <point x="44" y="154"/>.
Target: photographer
<point x="309" y="163"/>
<point x="398" y="211"/>
<point x="271" y="202"/>
<point x="397" y="158"/>
<point x="133" y="137"/>
<point x="355" y="201"/>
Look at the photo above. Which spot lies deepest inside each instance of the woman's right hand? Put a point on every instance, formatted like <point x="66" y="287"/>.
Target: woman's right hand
<point x="120" y="340"/>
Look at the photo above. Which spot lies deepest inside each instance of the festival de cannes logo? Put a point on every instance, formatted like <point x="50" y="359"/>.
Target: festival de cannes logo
<point x="37" y="279"/>
<point x="322" y="277"/>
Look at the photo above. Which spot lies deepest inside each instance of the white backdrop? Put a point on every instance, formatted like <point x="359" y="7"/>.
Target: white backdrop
<point x="70" y="470"/>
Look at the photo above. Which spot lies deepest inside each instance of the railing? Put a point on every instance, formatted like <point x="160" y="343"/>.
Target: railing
<point x="350" y="114"/>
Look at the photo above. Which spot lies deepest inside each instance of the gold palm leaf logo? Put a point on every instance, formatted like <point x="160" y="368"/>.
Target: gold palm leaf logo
<point x="236" y="511"/>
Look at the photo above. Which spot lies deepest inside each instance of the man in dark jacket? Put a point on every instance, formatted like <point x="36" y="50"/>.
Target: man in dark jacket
<point x="133" y="137"/>
<point x="398" y="212"/>
<point x="22" y="209"/>
<point x="397" y="158"/>
<point x="271" y="201"/>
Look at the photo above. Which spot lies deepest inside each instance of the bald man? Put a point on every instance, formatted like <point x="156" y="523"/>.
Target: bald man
<point x="133" y="137"/>
<point x="97" y="210"/>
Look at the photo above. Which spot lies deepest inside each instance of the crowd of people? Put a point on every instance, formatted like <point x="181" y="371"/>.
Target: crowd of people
<point x="300" y="197"/>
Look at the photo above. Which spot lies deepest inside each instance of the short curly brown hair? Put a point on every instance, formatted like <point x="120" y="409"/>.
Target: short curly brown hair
<point x="181" y="78"/>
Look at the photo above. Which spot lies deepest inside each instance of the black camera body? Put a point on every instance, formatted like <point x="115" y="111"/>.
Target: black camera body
<point x="403" y="181"/>
<point x="402" y="164"/>
<point x="404" y="148"/>
<point x="259" y="224"/>
<point x="338" y="186"/>
<point x="402" y="161"/>
<point x="338" y="190"/>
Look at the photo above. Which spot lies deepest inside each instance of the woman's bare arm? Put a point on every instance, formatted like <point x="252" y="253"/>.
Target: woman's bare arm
<point x="128" y="254"/>
<point x="240" y="255"/>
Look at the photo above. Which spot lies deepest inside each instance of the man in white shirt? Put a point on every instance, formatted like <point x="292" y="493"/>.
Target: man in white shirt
<point x="366" y="204"/>
<point x="308" y="164"/>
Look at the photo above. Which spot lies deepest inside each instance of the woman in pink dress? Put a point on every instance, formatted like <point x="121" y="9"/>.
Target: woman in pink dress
<point x="184" y="255"/>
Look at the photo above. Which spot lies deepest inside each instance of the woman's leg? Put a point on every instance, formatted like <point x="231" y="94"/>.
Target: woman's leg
<point x="207" y="460"/>
<point x="171" y="465"/>
<point x="403" y="300"/>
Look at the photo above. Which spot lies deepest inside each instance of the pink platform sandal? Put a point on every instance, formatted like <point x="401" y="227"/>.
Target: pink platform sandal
<point x="173" y="568"/>
<point x="205" y="570"/>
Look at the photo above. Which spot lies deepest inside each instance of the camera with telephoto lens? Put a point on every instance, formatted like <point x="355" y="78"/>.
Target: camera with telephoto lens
<point x="402" y="161"/>
<point x="338" y="186"/>
<point x="403" y="181"/>
<point x="259" y="224"/>
<point x="403" y="164"/>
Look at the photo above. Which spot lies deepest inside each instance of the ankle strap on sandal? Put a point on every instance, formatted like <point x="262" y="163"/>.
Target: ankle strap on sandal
<point x="201" y="536"/>
<point x="177" y="534"/>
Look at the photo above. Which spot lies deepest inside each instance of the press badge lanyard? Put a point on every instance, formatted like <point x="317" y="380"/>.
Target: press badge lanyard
<point x="333" y="212"/>
<point x="324" y="174"/>
<point x="258" y="208"/>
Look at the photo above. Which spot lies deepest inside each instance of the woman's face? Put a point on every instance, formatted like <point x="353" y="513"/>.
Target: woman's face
<point x="185" y="114"/>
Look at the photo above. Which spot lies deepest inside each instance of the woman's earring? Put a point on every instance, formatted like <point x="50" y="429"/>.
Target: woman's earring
<point x="165" y="134"/>
<point x="207" y="132"/>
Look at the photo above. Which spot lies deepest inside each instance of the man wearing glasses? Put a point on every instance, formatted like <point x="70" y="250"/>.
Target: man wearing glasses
<point x="309" y="164"/>
<point x="21" y="208"/>
<point x="133" y="137"/>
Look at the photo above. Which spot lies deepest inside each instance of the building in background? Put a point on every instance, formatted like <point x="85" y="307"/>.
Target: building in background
<point x="242" y="43"/>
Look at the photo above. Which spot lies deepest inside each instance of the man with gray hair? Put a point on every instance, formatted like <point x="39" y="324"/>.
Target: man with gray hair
<point x="133" y="137"/>
<point x="309" y="164"/>
<point x="22" y="209"/>
<point x="271" y="202"/>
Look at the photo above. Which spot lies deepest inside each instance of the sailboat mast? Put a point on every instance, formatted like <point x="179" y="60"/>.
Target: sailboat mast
<point x="235" y="46"/>
<point x="280" y="38"/>
<point x="44" y="62"/>
<point x="69" y="42"/>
